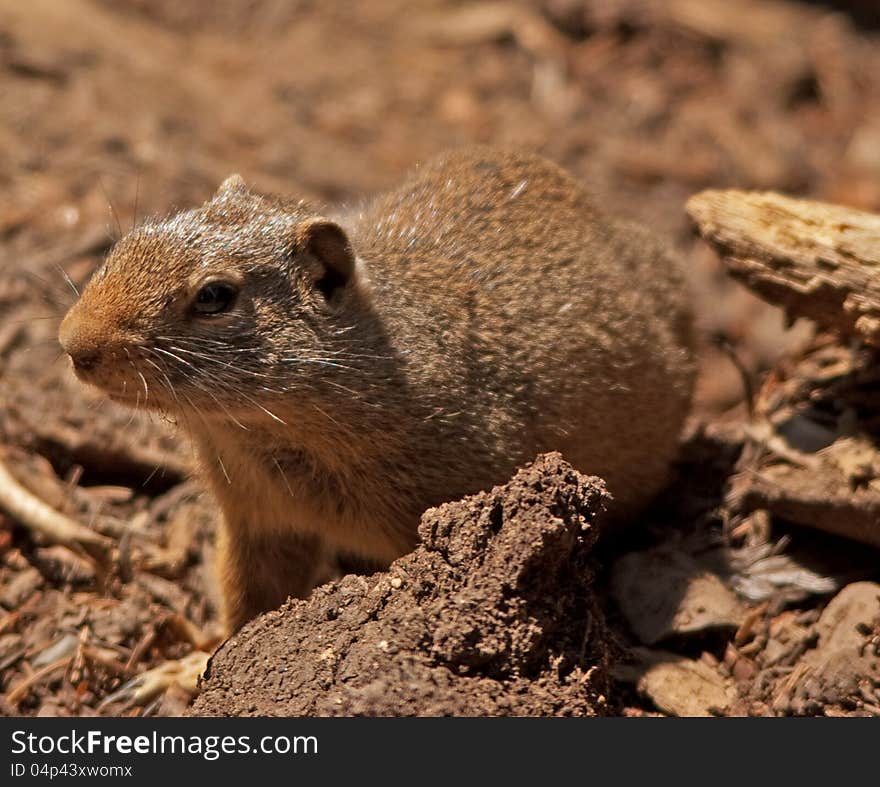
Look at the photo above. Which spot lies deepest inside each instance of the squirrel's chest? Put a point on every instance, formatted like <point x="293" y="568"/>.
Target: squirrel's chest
<point x="265" y="492"/>
<point x="268" y="492"/>
<point x="261" y="490"/>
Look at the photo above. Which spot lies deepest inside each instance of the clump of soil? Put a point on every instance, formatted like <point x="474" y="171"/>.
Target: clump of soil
<point x="492" y="614"/>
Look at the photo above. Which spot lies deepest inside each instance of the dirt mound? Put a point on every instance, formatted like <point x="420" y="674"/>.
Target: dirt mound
<point x="492" y="614"/>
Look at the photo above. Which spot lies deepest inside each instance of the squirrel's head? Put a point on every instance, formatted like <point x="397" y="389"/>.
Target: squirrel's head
<point x="220" y="308"/>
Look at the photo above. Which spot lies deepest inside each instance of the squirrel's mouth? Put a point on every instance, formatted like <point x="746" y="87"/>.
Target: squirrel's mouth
<point x="129" y="398"/>
<point x="135" y="398"/>
<point x="126" y="395"/>
<point x="138" y="393"/>
<point x="117" y="376"/>
<point x="129" y="392"/>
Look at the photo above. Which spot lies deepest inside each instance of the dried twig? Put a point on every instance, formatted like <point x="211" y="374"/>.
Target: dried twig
<point x="140" y="649"/>
<point x="20" y="691"/>
<point x="40" y="518"/>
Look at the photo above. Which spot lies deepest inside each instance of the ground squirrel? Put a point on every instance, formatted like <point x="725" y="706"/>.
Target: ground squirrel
<point x="339" y="377"/>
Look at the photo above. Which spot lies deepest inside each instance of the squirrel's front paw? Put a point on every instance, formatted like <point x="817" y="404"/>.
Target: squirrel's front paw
<point x="148" y="685"/>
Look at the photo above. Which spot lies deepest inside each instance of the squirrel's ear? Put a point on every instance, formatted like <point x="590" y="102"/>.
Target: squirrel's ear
<point x="234" y="184"/>
<point x="327" y="242"/>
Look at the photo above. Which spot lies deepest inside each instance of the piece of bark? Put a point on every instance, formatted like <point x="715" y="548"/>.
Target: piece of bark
<point x="664" y="592"/>
<point x="814" y="259"/>
<point x="811" y="499"/>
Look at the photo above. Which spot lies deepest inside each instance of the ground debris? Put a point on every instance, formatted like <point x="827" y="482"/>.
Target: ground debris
<point x="49" y="524"/>
<point x="843" y="669"/>
<point x="646" y="101"/>
<point x="20" y="588"/>
<point x="821" y="408"/>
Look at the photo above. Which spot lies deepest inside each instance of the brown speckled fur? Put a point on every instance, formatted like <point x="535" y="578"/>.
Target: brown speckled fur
<point x="493" y="313"/>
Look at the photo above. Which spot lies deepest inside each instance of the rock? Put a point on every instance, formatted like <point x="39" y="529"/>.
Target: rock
<point x="841" y="625"/>
<point x="492" y="615"/>
<point x="680" y="686"/>
<point x="844" y="667"/>
<point x="664" y="591"/>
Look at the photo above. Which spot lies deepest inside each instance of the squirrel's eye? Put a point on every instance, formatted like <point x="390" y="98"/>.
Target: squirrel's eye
<point x="214" y="298"/>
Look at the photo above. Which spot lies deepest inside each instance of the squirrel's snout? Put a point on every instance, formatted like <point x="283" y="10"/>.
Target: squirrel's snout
<point x="83" y="347"/>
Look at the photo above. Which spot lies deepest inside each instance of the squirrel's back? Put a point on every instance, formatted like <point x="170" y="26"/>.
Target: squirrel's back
<point x="535" y="321"/>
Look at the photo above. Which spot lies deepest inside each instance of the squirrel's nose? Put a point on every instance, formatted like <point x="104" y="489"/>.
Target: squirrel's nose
<point x="82" y="348"/>
<point x="84" y="360"/>
<point x="85" y="357"/>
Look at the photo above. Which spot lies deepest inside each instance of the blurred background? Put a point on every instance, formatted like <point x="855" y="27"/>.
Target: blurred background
<point x="150" y="103"/>
<point x="114" y="109"/>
